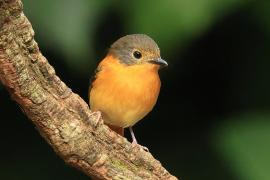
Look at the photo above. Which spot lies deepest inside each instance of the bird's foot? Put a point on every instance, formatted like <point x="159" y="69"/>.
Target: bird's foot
<point x="134" y="144"/>
<point x="134" y="141"/>
<point x="97" y="119"/>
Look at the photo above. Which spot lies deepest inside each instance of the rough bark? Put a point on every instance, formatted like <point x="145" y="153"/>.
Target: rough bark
<point x="61" y="116"/>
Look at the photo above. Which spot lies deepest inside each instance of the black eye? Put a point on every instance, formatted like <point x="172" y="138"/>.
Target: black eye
<point x="137" y="54"/>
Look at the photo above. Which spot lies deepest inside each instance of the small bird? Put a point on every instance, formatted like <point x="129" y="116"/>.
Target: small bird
<point x="126" y="84"/>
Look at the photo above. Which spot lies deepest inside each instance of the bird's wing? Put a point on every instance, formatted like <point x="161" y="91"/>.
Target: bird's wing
<point x="93" y="78"/>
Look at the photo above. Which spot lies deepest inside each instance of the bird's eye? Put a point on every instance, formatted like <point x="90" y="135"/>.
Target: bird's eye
<point x="137" y="54"/>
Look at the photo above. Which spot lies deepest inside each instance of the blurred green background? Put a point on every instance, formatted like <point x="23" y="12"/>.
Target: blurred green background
<point x="212" y="117"/>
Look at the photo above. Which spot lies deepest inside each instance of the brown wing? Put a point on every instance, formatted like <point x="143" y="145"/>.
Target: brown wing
<point x="93" y="78"/>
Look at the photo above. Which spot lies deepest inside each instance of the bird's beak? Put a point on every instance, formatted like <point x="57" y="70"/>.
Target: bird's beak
<point x="160" y="62"/>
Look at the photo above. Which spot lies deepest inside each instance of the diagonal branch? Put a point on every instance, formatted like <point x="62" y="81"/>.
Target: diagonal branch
<point x="60" y="115"/>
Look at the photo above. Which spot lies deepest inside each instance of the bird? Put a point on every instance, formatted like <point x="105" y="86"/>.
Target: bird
<point x="126" y="84"/>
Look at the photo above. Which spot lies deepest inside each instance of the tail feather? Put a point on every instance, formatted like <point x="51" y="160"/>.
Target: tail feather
<point x="118" y="130"/>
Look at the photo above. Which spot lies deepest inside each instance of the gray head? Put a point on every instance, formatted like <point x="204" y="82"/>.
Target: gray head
<point x="136" y="49"/>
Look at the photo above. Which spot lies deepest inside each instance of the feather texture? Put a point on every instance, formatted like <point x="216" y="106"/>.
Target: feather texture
<point x="124" y="94"/>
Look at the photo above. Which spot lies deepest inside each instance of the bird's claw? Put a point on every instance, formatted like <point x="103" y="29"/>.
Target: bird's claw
<point x="97" y="120"/>
<point x="134" y="144"/>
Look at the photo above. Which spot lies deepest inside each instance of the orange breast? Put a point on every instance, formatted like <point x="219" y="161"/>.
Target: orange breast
<point x="124" y="94"/>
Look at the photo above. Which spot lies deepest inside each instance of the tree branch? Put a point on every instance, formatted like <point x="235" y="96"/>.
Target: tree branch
<point x="60" y="115"/>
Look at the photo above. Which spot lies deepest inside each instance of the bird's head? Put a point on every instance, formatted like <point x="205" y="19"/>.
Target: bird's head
<point x="137" y="49"/>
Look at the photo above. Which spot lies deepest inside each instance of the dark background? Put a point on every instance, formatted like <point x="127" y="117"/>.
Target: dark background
<point x="212" y="117"/>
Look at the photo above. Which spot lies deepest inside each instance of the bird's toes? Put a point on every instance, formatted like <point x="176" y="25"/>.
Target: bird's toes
<point x="145" y="148"/>
<point x="97" y="118"/>
<point x="135" y="144"/>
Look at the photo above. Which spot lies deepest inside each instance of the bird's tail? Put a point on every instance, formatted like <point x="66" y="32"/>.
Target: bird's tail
<point x="118" y="130"/>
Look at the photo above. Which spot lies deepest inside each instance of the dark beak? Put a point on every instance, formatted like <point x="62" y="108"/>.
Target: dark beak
<point x="160" y="62"/>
